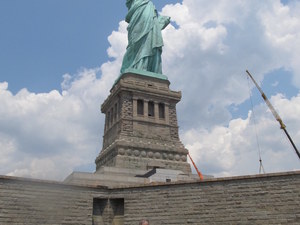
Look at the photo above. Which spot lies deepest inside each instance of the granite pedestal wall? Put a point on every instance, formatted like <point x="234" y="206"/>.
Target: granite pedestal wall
<point x="262" y="199"/>
<point x="141" y="130"/>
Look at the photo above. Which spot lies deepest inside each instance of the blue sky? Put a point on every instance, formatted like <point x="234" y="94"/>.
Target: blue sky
<point x="41" y="40"/>
<point x="59" y="58"/>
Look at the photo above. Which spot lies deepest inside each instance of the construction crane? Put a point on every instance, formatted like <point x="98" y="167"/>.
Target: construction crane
<point x="199" y="173"/>
<point x="275" y="114"/>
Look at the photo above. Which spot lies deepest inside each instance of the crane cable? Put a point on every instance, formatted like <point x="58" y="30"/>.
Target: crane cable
<point x="261" y="167"/>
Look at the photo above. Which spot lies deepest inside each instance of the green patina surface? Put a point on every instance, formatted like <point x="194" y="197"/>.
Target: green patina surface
<point x="144" y="37"/>
<point x="143" y="53"/>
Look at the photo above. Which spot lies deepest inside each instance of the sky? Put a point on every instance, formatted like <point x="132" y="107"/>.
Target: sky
<point x="59" y="59"/>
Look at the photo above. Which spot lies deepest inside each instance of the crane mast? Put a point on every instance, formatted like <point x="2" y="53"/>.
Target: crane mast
<point x="275" y="114"/>
<point x="199" y="173"/>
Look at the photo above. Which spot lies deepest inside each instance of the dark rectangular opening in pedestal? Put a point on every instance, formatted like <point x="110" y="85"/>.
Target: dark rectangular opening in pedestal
<point x="140" y="107"/>
<point x="161" y="110"/>
<point x="150" y="108"/>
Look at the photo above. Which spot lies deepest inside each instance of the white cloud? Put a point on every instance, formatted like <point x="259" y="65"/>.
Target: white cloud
<point x="118" y="41"/>
<point x="206" y="58"/>
<point x="233" y="150"/>
<point x="214" y="44"/>
<point x="282" y="29"/>
<point x="47" y="135"/>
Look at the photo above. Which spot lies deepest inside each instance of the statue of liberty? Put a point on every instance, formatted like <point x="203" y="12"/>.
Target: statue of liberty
<point x="144" y="37"/>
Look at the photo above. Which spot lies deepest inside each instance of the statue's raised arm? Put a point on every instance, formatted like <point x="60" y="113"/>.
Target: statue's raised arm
<point x="144" y="37"/>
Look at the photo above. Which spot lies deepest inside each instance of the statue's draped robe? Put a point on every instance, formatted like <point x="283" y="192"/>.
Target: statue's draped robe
<point x="144" y="37"/>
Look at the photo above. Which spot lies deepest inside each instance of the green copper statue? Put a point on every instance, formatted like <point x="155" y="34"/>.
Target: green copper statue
<point x="144" y="37"/>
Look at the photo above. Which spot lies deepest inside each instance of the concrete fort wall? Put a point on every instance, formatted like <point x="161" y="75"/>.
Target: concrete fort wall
<point x="261" y="199"/>
<point x="24" y="201"/>
<point x="265" y="199"/>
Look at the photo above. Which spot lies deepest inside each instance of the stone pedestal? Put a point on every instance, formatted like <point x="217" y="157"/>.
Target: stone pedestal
<point x="141" y="130"/>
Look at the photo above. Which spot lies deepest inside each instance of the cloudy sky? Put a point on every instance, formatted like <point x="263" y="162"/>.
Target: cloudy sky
<point x="58" y="60"/>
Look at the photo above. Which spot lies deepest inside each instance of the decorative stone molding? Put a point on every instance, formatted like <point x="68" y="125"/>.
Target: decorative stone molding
<point x="132" y="139"/>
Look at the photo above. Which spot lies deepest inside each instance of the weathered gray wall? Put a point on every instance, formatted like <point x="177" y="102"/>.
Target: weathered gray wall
<point x="265" y="199"/>
<point x="33" y="202"/>
<point x="249" y="200"/>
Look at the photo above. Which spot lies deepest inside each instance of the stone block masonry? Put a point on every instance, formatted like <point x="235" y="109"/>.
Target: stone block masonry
<point x="270" y="199"/>
<point x="25" y="201"/>
<point x="261" y="199"/>
<point x="141" y="129"/>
